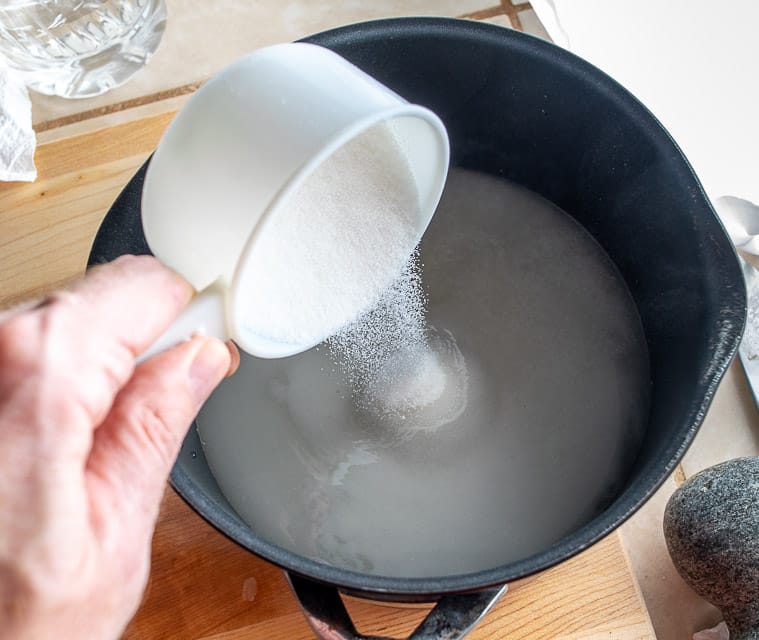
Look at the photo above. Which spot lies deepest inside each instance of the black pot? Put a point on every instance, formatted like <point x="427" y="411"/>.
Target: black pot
<point x="521" y="108"/>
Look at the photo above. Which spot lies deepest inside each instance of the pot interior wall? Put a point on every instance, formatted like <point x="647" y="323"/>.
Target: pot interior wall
<point x="519" y="108"/>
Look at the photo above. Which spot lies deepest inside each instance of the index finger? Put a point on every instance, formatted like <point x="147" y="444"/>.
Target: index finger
<point x="132" y="300"/>
<point x="77" y="349"/>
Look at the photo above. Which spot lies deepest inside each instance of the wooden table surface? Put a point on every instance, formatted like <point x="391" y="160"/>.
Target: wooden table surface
<point x="203" y="586"/>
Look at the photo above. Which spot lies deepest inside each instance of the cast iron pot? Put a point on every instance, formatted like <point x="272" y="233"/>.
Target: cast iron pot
<point x="521" y="108"/>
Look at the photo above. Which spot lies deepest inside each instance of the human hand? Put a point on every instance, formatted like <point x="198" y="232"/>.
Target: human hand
<point x="87" y="440"/>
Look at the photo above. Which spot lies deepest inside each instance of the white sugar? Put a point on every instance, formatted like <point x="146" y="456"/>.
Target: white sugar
<point x="341" y="240"/>
<point x="401" y="373"/>
<point x="410" y="380"/>
<point x="395" y="326"/>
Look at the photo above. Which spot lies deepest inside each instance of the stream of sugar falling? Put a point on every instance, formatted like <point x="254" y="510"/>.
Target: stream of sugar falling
<point x="398" y="368"/>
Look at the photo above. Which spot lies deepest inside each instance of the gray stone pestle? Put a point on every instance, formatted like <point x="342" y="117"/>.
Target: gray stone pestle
<point x="711" y="525"/>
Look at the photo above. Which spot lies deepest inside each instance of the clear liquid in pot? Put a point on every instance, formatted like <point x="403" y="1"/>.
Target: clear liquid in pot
<point x="544" y="404"/>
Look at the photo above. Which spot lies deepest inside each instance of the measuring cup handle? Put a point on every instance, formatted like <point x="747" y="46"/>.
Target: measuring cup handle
<point x="205" y="315"/>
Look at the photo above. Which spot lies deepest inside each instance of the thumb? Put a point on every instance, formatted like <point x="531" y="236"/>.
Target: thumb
<point x="136" y="445"/>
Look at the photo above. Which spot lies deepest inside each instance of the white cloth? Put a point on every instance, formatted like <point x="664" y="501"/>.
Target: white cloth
<point x="17" y="139"/>
<point x="693" y="63"/>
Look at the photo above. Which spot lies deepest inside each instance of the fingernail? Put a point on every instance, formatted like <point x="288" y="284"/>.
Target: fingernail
<point x="234" y="358"/>
<point x="209" y="367"/>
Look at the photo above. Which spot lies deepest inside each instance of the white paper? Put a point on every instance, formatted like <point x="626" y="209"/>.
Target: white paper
<point x="693" y="63"/>
<point x="17" y="139"/>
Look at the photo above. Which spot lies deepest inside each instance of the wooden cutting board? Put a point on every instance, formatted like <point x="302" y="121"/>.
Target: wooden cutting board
<point x="203" y="586"/>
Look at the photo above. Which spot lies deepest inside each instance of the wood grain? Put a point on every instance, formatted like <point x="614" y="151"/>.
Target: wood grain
<point x="203" y="586"/>
<point x="47" y="227"/>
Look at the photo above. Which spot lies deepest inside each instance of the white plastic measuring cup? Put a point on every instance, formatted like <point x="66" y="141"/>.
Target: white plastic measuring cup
<point x="240" y="147"/>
